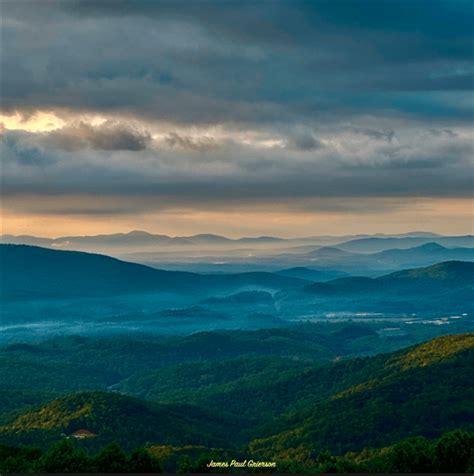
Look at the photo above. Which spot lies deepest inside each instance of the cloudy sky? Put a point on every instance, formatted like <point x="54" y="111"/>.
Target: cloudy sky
<point x="242" y="117"/>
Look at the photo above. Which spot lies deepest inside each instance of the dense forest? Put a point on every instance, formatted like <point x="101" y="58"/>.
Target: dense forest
<point x="307" y="407"/>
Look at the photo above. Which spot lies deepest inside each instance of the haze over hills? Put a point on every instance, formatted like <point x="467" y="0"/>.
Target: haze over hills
<point x="442" y="276"/>
<point x="324" y="263"/>
<point x="142" y="240"/>
<point x="387" y="260"/>
<point x="424" y="254"/>
<point x="136" y="239"/>
<point x="51" y="292"/>
<point x="312" y="274"/>
<point x="208" y="253"/>
<point x="377" y="244"/>
<point x="40" y="273"/>
<point x="442" y="290"/>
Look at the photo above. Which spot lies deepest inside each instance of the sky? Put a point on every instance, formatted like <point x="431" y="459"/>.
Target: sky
<point x="285" y="118"/>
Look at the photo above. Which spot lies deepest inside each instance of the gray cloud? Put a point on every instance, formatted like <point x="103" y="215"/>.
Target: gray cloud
<point x="441" y="132"/>
<point x="174" y="139"/>
<point x="375" y="134"/>
<point x="240" y="174"/>
<point x="239" y="63"/>
<point x="110" y="135"/>
<point x="23" y="150"/>
<point x="304" y="142"/>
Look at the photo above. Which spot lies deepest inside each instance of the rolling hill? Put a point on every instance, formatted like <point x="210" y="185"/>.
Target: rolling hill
<point x="35" y="373"/>
<point x="449" y="275"/>
<point x="426" y="254"/>
<point x="378" y="244"/>
<point x="277" y="409"/>
<point x="443" y="287"/>
<point x="40" y="273"/>
<point x="424" y="390"/>
<point x="114" y="417"/>
<point x="390" y="259"/>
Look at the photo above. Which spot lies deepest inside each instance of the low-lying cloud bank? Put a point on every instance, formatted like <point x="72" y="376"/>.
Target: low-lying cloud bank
<point x="113" y="159"/>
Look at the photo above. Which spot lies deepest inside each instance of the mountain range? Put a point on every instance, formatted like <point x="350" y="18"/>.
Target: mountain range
<point x="143" y="238"/>
<point x="337" y="258"/>
<point x="330" y="257"/>
<point x="378" y="244"/>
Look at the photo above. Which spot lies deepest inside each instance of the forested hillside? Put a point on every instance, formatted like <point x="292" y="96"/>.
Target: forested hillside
<point x="279" y="408"/>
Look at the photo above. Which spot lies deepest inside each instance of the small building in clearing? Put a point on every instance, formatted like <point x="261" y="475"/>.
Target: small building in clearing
<point x="82" y="434"/>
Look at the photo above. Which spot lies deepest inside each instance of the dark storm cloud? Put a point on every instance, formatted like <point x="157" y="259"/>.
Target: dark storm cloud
<point x="236" y="61"/>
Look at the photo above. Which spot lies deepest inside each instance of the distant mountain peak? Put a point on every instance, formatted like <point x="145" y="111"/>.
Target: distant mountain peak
<point x="140" y="233"/>
<point x="329" y="252"/>
<point x="205" y="235"/>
